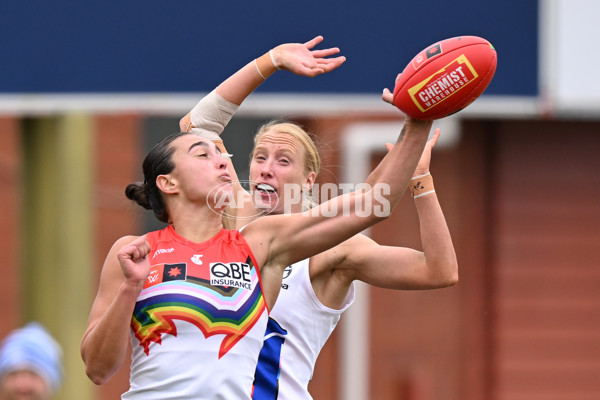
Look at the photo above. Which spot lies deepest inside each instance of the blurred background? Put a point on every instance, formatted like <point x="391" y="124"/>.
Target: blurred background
<point x="87" y="88"/>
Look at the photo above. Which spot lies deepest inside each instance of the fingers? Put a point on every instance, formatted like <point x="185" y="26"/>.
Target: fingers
<point x="387" y="96"/>
<point x="330" y="64"/>
<point x="138" y="253"/>
<point x="185" y="124"/>
<point x="136" y="250"/>
<point x="435" y="137"/>
<point x="301" y="60"/>
<point x="134" y="253"/>
<point x="312" y="43"/>
<point x="320" y="66"/>
<point x="325" y="52"/>
<point x="311" y="71"/>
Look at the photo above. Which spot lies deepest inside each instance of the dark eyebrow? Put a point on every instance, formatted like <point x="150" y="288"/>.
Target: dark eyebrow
<point x="203" y="144"/>
<point x="200" y="143"/>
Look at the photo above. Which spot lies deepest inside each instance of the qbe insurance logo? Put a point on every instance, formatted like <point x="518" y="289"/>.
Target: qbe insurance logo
<point x="234" y="274"/>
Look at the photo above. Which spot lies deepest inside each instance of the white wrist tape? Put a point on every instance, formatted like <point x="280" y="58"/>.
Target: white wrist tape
<point x="205" y="134"/>
<point x="273" y="59"/>
<point x="212" y="113"/>
<point x="258" y="70"/>
<point x="421" y="185"/>
<point x="266" y="65"/>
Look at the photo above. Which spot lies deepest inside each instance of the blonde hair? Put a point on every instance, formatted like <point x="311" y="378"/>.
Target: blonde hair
<point x="312" y="159"/>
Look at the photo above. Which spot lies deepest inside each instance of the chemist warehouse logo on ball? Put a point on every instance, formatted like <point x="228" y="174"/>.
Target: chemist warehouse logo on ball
<point x="444" y="83"/>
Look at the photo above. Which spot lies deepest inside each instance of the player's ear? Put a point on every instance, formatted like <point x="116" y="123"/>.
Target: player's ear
<point x="167" y="184"/>
<point x="309" y="180"/>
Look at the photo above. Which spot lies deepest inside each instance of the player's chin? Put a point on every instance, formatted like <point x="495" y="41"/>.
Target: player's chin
<point x="267" y="207"/>
<point x="268" y="210"/>
<point x="224" y="189"/>
<point x="221" y="196"/>
<point x="266" y="202"/>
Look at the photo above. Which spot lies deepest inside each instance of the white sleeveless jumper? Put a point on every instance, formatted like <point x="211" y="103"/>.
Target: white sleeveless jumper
<point x="299" y="325"/>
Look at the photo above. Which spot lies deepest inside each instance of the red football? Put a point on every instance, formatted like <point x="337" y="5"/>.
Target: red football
<point x="445" y="77"/>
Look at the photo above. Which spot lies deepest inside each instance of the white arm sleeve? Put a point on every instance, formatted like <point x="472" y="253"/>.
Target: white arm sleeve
<point x="212" y="114"/>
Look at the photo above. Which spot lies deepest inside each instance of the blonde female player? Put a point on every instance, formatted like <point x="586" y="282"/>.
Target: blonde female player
<point x="193" y="298"/>
<point x="316" y="291"/>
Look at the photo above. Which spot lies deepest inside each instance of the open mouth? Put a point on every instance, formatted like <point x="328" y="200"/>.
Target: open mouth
<point x="264" y="188"/>
<point x="265" y="197"/>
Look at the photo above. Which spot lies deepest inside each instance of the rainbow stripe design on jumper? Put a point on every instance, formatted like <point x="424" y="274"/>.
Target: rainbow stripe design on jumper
<point x="214" y="310"/>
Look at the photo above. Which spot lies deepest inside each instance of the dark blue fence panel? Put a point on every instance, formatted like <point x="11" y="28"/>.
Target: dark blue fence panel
<point x="190" y="46"/>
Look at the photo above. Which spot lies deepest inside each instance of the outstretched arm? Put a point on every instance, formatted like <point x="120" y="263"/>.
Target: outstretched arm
<point x="403" y="268"/>
<point x="214" y="111"/>
<point x="300" y="58"/>
<point x="283" y="239"/>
